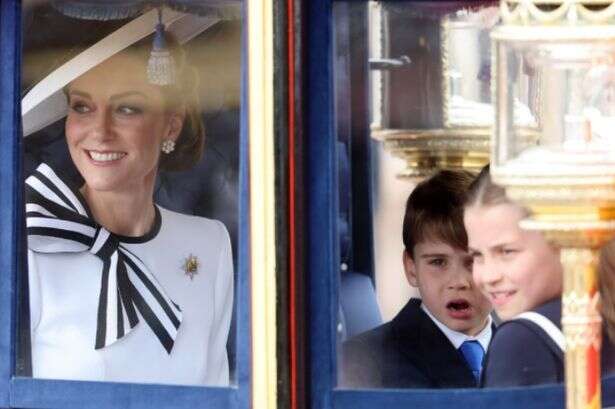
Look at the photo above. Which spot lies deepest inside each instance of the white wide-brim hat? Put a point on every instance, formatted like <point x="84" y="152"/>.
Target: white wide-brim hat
<point x="46" y="103"/>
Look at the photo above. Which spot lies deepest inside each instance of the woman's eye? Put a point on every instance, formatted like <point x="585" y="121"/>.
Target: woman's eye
<point x="80" y="108"/>
<point x="129" y="110"/>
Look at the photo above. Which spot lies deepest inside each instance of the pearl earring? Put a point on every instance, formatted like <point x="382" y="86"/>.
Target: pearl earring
<point x="168" y="146"/>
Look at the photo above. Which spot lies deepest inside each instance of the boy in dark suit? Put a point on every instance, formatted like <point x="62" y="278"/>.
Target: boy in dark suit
<point x="439" y="341"/>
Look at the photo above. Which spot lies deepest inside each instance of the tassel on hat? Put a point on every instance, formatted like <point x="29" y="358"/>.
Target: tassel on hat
<point x="161" y="66"/>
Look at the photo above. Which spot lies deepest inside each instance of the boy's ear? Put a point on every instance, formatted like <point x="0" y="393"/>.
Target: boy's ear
<point x="410" y="269"/>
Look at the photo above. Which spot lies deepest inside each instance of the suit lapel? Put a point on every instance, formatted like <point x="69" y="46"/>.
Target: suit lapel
<point x="422" y="342"/>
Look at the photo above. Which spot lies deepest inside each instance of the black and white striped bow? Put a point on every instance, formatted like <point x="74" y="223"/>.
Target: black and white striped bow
<point x="57" y="221"/>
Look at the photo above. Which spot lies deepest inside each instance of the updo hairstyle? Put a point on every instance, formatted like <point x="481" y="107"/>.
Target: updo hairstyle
<point x="183" y="94"/>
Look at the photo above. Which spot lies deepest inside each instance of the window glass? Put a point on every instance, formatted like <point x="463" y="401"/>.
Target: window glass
<point x="420" y="298"/>
<point x="430" y="73"/>
<point x="131" y="135"/>
<point x="407" y="77"/>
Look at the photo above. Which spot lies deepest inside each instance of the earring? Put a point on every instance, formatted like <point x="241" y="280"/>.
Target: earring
<point x="168" y="146"/>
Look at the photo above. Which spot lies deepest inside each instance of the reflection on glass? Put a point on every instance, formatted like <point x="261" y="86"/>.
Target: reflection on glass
<point x="431" y="83"/>
<point x="553" y="155"/>
<point x="427" y="97"/>
<point x="567" y="117"/>
<point x="466" y="65"/>
<point x="130" y="276"/>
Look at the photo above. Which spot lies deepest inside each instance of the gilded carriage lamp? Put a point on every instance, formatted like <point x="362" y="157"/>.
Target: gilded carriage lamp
<point x="554" y="152"/>
<point x="430" y="81"/>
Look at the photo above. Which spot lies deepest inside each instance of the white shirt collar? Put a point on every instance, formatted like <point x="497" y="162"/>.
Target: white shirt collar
<point x="457" y="338"/>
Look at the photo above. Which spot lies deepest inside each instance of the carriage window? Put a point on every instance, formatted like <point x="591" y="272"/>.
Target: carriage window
<point x="412" y="95"/>
<point x="131" y="133"/>
<point x="441" y="259"/>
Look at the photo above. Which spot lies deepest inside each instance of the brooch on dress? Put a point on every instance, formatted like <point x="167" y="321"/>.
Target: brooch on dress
<point x="191" y="266"/>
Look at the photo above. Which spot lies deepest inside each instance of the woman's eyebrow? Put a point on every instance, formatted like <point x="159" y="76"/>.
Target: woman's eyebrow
<point x="127" y="94"/>
<point x="79" y="94"/>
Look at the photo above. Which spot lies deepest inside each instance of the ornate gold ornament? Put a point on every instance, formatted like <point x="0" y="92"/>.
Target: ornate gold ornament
<point x="553" y="61"/>
<point x="191" y="266"/>
<point x="544" y="12"/>
<point x="581" y="321"/>
<point x="426" y="151"/>
<point x="461" y="140"/>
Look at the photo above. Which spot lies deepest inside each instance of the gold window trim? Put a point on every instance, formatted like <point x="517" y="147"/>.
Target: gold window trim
<point x="262" y="203"/>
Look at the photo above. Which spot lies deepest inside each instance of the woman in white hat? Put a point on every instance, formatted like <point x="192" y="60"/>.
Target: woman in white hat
<point x="122" y="289"/>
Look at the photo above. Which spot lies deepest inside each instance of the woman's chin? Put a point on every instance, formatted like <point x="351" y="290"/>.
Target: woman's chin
<point x="105" y="184"/>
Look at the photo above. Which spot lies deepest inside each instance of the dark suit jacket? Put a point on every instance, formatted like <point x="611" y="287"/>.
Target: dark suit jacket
<point x="408" y="352"/>
<point x="521" y="353"/>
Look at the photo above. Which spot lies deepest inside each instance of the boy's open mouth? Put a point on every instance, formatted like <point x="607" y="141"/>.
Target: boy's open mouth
<point x="458" y="305"/>
<point x="459" y="309"/>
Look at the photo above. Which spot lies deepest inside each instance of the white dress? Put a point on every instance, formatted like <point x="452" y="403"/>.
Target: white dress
<point x="64" y="290"/>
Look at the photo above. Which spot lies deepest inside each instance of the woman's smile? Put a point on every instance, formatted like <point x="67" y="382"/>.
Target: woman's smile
<point x="105" y="157"/>
<point x="115" y="125"/>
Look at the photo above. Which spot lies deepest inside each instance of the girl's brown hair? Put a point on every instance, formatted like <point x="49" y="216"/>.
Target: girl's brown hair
<point x="483" y="191"/>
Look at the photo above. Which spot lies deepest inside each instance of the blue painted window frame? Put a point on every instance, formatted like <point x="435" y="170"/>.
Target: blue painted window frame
<point x="324" y="257"/>
<point x="37" y="393"/>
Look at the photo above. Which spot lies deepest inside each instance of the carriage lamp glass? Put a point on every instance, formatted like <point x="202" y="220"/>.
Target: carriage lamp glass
<point x="556" y="109"/>
<point x="430" y="84"/>
<point x="466" y="67"/>
<point x="554" y="152"/>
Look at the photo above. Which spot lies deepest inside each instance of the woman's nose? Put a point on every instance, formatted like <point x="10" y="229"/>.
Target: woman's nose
<point x="101" y="126"/>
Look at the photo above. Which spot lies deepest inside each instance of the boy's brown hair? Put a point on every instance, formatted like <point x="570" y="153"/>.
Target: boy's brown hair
<point x="434" y="210"/>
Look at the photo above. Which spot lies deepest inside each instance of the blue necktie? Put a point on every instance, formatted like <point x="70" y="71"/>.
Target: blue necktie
<point x="473" y="353"/>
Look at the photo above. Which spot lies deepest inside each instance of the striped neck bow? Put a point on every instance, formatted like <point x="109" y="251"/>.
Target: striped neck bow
<point x="58" y="221"/>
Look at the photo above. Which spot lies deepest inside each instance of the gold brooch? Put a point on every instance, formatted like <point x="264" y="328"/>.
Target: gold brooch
<point x="191" y="266"/>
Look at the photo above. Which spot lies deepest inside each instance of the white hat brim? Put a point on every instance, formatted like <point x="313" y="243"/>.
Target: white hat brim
<point x="46" y="103"/>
